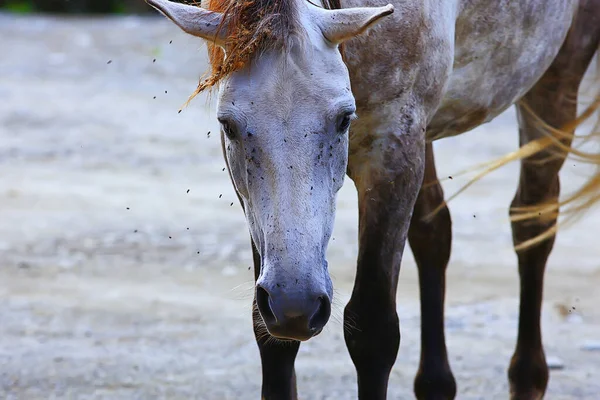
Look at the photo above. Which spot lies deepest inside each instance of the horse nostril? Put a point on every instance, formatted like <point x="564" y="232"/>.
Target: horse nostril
<point x="321" y="315"/>
<point x="264" y="306"/>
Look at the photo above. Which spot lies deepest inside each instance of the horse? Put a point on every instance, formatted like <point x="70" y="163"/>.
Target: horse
<point x="309" y="92"/>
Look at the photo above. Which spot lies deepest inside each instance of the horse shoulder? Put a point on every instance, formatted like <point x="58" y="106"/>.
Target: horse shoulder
<point x="399" y="70"/>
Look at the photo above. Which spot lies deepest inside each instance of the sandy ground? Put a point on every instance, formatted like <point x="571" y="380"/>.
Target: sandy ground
<point x="116" y="283"/>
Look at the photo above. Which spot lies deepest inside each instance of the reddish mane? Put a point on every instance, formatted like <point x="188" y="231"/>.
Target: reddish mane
<point x="253" y="25"/>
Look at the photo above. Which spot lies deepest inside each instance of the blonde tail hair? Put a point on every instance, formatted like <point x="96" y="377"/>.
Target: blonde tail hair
<point x="574" y="205"/>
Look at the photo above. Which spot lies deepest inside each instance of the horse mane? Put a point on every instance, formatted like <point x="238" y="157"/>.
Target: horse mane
<point x="253" y="26"/>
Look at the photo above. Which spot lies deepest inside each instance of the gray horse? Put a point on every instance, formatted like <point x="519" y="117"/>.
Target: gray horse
<point x="293" y="75"/>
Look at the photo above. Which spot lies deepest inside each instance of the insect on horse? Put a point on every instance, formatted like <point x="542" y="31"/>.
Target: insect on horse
<point x="414" y="71"/>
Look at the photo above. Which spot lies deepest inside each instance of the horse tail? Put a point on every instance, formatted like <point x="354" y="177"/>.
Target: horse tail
<point x="555" y="142"/>
<point x="574" y="205"/>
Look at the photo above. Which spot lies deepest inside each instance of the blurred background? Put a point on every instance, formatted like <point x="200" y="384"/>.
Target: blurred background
<point x="125" y="258"/>
<point x="78" y="6"/>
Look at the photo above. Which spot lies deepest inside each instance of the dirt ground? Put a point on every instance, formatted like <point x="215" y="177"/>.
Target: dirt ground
<point x="116" y="283"/>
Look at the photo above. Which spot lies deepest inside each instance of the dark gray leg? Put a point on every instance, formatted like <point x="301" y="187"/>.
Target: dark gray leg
<point x="430" y="241"/>
<point x="553" y="99"/>
<point x="387" y="194"/>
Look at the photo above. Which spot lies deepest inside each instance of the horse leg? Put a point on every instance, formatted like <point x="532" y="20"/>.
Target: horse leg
<point x="388" y="174"/>
<point x="277" y="356"/>
<point x="434" y="378"/>
<point x="553" y="99"/>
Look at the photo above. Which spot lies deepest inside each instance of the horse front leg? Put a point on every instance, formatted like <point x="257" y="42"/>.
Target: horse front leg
<point x="388" y="173"/>
<point x="277" y="357"/>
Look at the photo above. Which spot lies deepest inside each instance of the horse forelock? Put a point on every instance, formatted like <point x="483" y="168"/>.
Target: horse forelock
<point x="252" y="26"/>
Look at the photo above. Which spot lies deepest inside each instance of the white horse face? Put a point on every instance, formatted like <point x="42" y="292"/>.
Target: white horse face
<point x="285" y="124"/>
<point x="285" y="119"/>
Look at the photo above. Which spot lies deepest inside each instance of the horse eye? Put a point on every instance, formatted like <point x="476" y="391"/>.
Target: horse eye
<point x="344" y="122"/>
<point x="228" y="128"/>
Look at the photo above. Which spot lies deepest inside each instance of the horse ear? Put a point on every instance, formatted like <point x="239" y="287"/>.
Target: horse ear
<point x="194" y="20"/>
<point x="340" y="25"/>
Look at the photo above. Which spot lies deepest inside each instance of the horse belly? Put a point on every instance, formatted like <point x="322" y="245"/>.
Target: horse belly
<point x="501" y="50"/>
